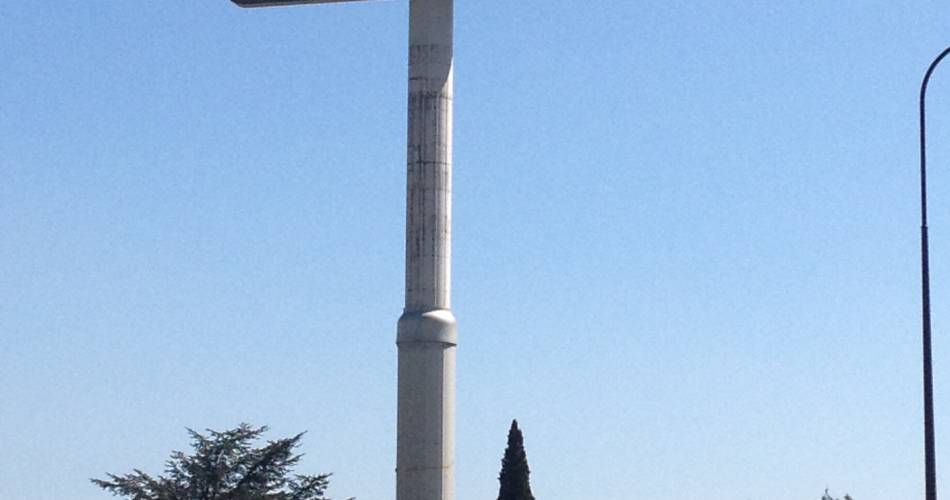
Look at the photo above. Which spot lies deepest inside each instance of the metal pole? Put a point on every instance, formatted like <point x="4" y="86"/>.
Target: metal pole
<point x="930" y="463"/>
<point x="426" y="335"/>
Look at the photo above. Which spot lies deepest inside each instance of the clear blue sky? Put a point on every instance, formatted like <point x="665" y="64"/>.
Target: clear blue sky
<point x="685" y="241"/>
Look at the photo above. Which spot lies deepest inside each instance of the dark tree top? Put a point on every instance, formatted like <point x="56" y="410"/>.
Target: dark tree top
<point x="224" y="466"/>
<point x="514" y="483"/>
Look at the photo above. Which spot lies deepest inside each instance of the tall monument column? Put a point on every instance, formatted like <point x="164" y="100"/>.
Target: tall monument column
<point x="426" y="336"/>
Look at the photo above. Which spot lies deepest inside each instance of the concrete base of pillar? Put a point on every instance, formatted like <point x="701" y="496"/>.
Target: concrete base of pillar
<point x="425" y="427"/>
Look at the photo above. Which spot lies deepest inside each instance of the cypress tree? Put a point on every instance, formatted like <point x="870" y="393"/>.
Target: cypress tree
<point x="514" y="468"/>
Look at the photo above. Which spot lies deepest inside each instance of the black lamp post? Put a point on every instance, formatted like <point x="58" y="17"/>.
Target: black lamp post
<point x="930" y="463"/>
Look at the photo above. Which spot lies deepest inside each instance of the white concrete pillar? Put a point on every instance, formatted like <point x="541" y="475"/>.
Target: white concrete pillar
<point x="426" y="337"/>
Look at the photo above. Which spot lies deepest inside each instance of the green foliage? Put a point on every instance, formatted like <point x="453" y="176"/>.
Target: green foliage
<point x="514" y="468"/>
<point x="224" y="466"/>
<point x="826" y="496"/>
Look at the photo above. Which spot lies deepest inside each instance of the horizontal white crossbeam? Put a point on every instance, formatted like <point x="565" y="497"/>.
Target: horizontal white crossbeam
<point x="278" y="3"/>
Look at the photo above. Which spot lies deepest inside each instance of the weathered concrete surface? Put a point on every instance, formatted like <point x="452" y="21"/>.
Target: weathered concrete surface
<point x="426" y="337"/>
<point x="426" y="415"/>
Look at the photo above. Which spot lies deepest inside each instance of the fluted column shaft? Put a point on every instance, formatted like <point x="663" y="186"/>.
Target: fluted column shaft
<point x="429" y="155"/>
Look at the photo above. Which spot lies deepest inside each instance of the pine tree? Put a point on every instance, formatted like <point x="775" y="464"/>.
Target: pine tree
<point x="225" y="466"/>
<point x="827" y="496"/>
<point x="514" y="468"/>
